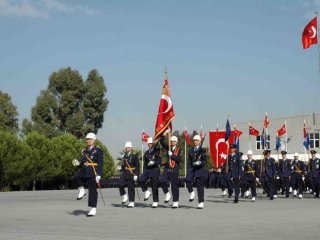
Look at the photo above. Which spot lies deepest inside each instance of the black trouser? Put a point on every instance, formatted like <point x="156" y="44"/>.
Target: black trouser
<point x="154" y="186"/>
<point x="297" y="182"/>
<point x="92" y="187"/>
<point x="253" y="187"/>
<point x="174" y="179"/>
<point x="236" y="186"/>
<point x="269" y="181"/>
<point x="131" y="186"/>
<point x="200" y="181"/>
<point x="316" y="185"/>
<point x="285" y="185"/>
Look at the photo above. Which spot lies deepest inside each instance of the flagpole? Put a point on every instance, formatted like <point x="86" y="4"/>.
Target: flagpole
<point x="185" y="161"/>
<point x="316" y="12"/>
<point x="285" y="125"/>
<point x="249" y="138"/>
<point x="217" y="149"/>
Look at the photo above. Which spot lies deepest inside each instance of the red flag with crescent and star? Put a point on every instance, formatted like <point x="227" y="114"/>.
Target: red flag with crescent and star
<point x="310" y="33"/>
<point x="282" y="130"/>
<point x="165" y="112"/>
<point x="219" y="148"/>
<point x="144" y="137"/>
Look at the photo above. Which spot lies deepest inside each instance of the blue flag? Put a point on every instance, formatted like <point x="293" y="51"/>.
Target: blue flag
<point x="237" y="143"/>
<point x="262" y="139"/>
<point x="306" y="141"/>
<point x="278" y="143"/>
<point x="228" y="131"/>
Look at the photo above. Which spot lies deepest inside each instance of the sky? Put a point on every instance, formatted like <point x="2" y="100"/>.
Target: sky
<point x="224" y="58"/>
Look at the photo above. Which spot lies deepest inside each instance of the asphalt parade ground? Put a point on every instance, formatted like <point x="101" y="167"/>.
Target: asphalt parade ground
<point x="58" y="215"/>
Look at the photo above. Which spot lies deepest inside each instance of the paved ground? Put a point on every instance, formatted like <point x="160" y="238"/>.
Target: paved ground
<point x="57" y="215"/>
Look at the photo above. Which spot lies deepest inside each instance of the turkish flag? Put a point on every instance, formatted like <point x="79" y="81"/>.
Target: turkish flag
<point x="266" y="121"/>
<point x="282" y="130"/>
<point x="253" y="131"/>
<point x="165" y="112"/>
<point x="186" y="137"/>
<point x="237" y="133"/>
<point x="144" y="137"/>
<point x="219" y="149"/>
<point x="310" y="34"/>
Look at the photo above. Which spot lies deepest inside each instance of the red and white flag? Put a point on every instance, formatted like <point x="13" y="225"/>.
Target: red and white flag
<point x="144" y="137"/>
<point x="310" y="33"/>
<point x="253" y="131"/>
<point x="266" y="121"/>
<point x="237" y="133"/>
<point x="282" y="130"/>
<point x="186" y="136"/>
<point x="165" y="112"/>
<point x="201" y="134"/>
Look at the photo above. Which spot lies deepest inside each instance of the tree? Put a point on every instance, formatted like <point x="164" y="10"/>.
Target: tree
<point x="69" y="105"/>
<point x="8" y="114"/>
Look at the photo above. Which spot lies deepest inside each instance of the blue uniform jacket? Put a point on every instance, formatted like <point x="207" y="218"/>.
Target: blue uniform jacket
<point x="174" y="157"/>
<point x="285" y="168"/>
<point x="298" y="168"/>
<point x="95" y="156"/>
<point x="250" y="166"/>
<point x="314" y="167"/>
<point x="151" y="155"/>
<point x="270" y="167"/>
<point x="130" y="165"/>
<point x="197" y="155"/>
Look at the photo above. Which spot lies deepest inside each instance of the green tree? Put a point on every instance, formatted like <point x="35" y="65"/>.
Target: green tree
<point x="8" y="114"/>
<point x="69" y="105"/>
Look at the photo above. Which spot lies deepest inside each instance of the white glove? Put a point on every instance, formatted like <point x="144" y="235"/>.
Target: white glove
<point x="135" y="178"/>
<point x="277" y="177"/>
<point x="317" y="166"/>
<point x="257" y="180"/>
<point x="303" y="178"/>
<point x="219" y="170"/>
<point x="232" y="179"/>
<point x="75" y="162"/>
<point x="170" y="153"/>
<point x="292" y="167"/>
<point x="98" y="179"/>
<point x="151" y="163"/>
<point x="197" y="163"/>
<point x="119" y="168"/>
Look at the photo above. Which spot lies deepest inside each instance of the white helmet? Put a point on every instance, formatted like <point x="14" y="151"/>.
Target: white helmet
<point x="249" y="152"/>
<point x="296" y="155"/>
<point x="173" y="139"/>
<point x="150" y="140"/>
<point x="196" y="137"/>
<point x="128" y="145"/>
<point x="91" y="136"/>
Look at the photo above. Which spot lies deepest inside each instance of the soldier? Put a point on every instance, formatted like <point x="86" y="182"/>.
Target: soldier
<point x="225" y="180"/>
<point x="277" y="179"/>
<point x="236" y="170"/>
<point x="129" y="174"/>
<point x="196" y="171"/>
<point x="171" y="170"/>
<point x="252" y="174"/>
<point x="152" y="161"/>
<point x="285" y="173"/>
<point x="91" y="164"/>
<point x="314" y="170"/>
<point x="269" y="173"/>
<point x="297" y="173"/>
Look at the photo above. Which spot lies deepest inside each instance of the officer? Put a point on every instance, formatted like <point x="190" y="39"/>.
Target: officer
<point x="252" y="174"/>
<point x="152" y="161"/>
<point x="269" y="173"/>
<point x="129" y="174"/>
<point x="314" y="170"/>
<point x="171" y="170"/>
<point x="236" y="170"/>
<point x="244" y="188"/>
<point x="297" y="175"/>
<point x="91" y="165"/>
<point x="285" y="173"/>
<point x="226" y="179"/>
<point x="196" y="171"/>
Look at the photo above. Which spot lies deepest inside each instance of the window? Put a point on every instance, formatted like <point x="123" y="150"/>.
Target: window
<point x="260" y="144"/>
<point x="314" y="140"/>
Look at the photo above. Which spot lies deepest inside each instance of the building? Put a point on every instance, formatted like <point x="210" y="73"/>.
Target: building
<point x="292" y="141"/>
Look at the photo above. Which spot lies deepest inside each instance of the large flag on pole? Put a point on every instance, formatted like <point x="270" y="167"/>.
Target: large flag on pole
<point x="310" y="33"/>
<point x="253" y="131"/>
<point x="165" y="112"/>
<point x="306" y="137"/>
<point x="228" y="131"/>
<point x="282" y="130"/>
<point x="144" y="137"/>
<point x="186" y="136"/>
<point x="237" y="133"/>
<point x="266" y="121"/>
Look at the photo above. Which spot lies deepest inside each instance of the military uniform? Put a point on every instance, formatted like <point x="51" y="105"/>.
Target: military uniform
<point x="225" y="179"/>
<point x="91" y="165"/>
<point x="297" y="175"/>
<point x="129" y="168"/>
<point x="285" y="175"/>
<point x="236" y="170"/>
<point x="314" y="172"/>
<point x="171" y="171"/>
<point x="251" y="173"/>
<point x="270" y="175"/>
<point x="197" y="159"/>
<point x="151" y="170"/>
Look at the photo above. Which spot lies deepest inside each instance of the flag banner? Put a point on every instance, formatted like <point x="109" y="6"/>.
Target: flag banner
<point x="266" y="121"/>
<point x="144" y="137"/>
<point x="186" y="137"/>
<point x="201" y="133"/>
<point x="253" y="131"/>
<point x="165" y="112"/>
<point x="306" y="137"/>
<point x="310" y="34"/>
<point x="282" y="130"/>
<point x="278" y="143"/>
<point x="228" y="131"/>
<point x="219" y="148"/>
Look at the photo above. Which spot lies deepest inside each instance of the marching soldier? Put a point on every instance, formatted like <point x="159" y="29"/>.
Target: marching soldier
<point x="171" y="170"/>
<point x="152" y="161"/>
<point x="298" y="170"/>
<point x="314" y="170"/>
<point x="196" y="170"/>
<point x="129" y="174"/>
<point x="269" y="173"/>
<point x="252" y="174"/>
<point x="91" y="164"/>
<point x="285" y="173"/>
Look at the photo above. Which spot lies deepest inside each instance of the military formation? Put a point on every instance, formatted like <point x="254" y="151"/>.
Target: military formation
<point x="236" y="177"/>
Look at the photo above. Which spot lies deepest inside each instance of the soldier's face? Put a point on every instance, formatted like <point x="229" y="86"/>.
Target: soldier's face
<point x="90" y="142"/>
<point x="296" y="158"/>
<point x="150" y="145"/>
<point x="313" y="155"/>
<point x="249" y="156"/>
<point x="173" y="143"/>
<point x="128" y="149"/>
<point x="284" y="155"/>
<point x="232" y="150"/>
<point x="196" y="142"/>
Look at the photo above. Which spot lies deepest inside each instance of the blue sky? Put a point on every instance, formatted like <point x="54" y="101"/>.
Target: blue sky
<point x="240" y="58"/>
